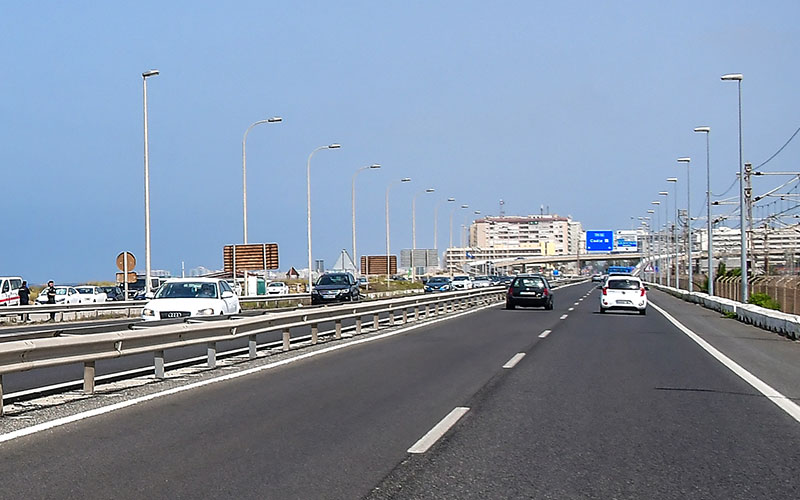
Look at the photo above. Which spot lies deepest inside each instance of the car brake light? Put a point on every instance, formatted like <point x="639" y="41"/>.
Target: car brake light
<point x="545" y="293"/>
<point x="605" y="290"/>
<point x="509" y="290"/>
<point x="642" y="292"/>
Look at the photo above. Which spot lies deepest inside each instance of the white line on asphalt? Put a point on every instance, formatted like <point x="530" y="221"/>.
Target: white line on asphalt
<point x="230" y="376"/>
<point x="564" y="316"/>
<point x="514" y="360"/>
<point x="544" y="334"/>
<point x="571" y="309"/>
<point x="438" y="430"/>
<point x="776" y="397"/>
<point x="576" y="303"/>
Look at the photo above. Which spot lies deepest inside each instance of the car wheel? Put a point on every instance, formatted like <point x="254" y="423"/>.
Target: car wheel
<point x="643" y="312"/>
<point x="549" y="306"/>
<point x="510" y="305"/>
<point x="602" y="311"/>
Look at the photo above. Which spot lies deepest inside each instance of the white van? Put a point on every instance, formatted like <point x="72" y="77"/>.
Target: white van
<point x="9" y="290"/>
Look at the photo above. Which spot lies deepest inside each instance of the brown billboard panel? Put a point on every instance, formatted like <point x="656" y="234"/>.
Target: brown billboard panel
<point x="376" y="264"/>
<point x="252" y="257"/>
<point x="131" y="277"/>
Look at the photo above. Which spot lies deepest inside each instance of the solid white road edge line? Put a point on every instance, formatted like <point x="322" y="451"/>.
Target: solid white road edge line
<point x="124" y="404"/>
<point x="438" y="430"/>
<point x="776" y="397"/>
<point x="544" y="334"/>
<point x="514" y="360"/>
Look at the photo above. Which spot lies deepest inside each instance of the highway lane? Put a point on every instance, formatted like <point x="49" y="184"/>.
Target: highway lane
<point x="604" y="406"/>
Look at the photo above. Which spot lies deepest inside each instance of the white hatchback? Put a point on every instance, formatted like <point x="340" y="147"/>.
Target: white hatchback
<point x="277" y="288"/>
<point x="462" y="282"/>
<point x="623" y="292"/>
<point x="91" y="293"/>
<point x="184" y="297"/>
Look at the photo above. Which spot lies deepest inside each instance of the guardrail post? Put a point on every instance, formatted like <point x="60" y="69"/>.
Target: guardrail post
<point x="287" y="339"/>
<point x="375" y="323"/>
<point x="2" y="411"/>
<point x="416" y="313"/>
<point x="158" y="362"/>
<point x="88" y="377"/>
<point x="314" y="333"/>
<point x="391" y="317"/>
<point x="405" y="315"/>
<point x="251" y="344"/>
<point x="212" y="354"/>
<point x="358" y="325"/>
<point x="338" y="334"/>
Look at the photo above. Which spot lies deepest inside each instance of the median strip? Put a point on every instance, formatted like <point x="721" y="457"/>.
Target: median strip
<point x="438" y="430"/>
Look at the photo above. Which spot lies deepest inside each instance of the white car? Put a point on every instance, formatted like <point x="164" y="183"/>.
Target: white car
<point x="481" y="282"/>
<point x="9" y="290"/>
<point x="462" y="283"/>
<point x="623" y="292"/>
<point x="91" y="293"/>
<point x="64" y="295"/>
<point x="277" y="288"/>
<point x="184" y="297"/>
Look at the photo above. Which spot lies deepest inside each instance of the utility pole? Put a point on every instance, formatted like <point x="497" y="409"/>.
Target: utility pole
<point x="748" y="200"/>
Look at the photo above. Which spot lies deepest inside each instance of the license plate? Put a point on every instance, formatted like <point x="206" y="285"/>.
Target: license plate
<point x="529" y="293"/>
<point x="624" y="302"/>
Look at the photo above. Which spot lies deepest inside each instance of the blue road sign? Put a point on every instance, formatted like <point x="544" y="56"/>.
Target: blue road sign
<point x="599" y="241"/>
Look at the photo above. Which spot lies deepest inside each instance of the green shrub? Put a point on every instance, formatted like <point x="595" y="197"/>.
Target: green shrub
<point x="764" y="300"/>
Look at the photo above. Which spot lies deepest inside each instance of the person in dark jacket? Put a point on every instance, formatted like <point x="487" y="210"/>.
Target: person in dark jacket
<point x="51" y="297"/>
<point x="24" y="297"/>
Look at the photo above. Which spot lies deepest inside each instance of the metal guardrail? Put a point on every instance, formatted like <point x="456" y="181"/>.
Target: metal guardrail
<point x="22" y="355"/>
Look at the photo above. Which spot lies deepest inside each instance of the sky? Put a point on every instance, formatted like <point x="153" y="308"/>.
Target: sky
<point x="578" y="107"/>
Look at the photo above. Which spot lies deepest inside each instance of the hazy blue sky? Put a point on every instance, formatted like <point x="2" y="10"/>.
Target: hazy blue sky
<point x="580" y="106"/>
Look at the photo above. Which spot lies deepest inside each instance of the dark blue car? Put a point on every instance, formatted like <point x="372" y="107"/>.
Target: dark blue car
<point x="438" y="284"/>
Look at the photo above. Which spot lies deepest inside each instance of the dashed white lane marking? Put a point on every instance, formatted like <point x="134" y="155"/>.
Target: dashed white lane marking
<point x="514" y="360"/>
<point x="438" y="430"/>
<point x="544" y="334"/>
<point x="776" y="397"/>
<point x="564" y="316"/>
<point x="571" y="309"/>
<point x="576" y="303"/>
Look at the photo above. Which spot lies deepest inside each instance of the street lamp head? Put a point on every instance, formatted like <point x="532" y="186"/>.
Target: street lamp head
<point x="684" y="160"/>
<point x="464" y="206"/>
<point x="405" y="179"/>
<point x="477" y="212"/>
<point x="732" y="76"/>
<point x="375" y="165"/>
<point x="430" y="190"/>
<point x="275" y="119"/>
<point x="451" y="199"/>
<point x="663" y="193"/>
<point x="655" y="203"/>
<point x="334" y="146"/>
<point x="702" y="129"/>
<point x="152" y="72"/>
<point x="672" y="179"/>
<point x="651" y="211"/>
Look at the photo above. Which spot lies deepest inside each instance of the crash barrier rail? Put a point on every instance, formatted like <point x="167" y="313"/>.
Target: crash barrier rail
<point x="22" y="355"/>
<point x="781" y="323"/>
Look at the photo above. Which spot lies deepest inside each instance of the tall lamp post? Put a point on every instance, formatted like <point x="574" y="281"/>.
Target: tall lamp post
<point x="147" y="284"/>
<point x="737" y="77"/>
<point x="463" y="207"/>
<point x="388" y="247"/>
<point x="465" y="238"/>
<point x="666" y="237"/>
<point x="353" y="202"/>
<point x="689" y="263"/>
<point x="650" y="239"/>
<point x="414" y="229"/>
<point x="274" y="119"/>
<point x="707" y="131"/>
<point x="436" y="224"/>
<point x="657" y="243"/>
<point x="308" y="192"/>
<point x="674" y="237"/>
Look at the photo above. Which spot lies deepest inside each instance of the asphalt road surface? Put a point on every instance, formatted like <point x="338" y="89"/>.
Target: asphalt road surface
<point x="599" y="406"/>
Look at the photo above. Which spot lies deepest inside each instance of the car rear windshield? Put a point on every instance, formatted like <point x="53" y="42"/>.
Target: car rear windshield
<point x="624" y="284"/>
<point x="529" y="283"/>
<point x="187" y="290"/>
<point x="333" y="279"/>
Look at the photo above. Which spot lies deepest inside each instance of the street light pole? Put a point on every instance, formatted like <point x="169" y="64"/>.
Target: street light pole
<point x="657" y="242"/>
<point x="436" y="224"/>
<point x="687" y="161"/>
<point x="274" y="119"/>
<point x="710" y="248"/>
<point x="414" y="229"/>
<point x="737" y="77"/>
<point x="388" y="246"/>
<point x="147" y="284"/>
<point x="308" y="193"/>
<point x="650" y="239"/>
<point x="674" y="236"/>
<point x="665" y="238"/>
<point x="451" y="234"/>
<point x="353" y="202"/>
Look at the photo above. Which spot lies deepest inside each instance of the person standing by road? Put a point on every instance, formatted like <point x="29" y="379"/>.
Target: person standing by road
<point x="24" y="297"/>
<point x="51" y="297"/>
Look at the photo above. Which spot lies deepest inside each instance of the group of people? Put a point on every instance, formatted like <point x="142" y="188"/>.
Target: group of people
<point x="25" y="297"/>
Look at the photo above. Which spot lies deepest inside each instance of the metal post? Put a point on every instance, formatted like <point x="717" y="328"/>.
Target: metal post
<point x="244" y="169"/>
<point x="338" y="324"/>
<point x="358" y="325"/>
<point x="158" y="361"/>
<point x="287" y="340"/>
<point x="251" y="344"/>
<point x="314" y="333"/>
<point x="308" y="199"/>
<point x="375" y="322"/>
<point x="211" y="350"/>
<point x="88" y="377"/>
<point x="146" y="183"/>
